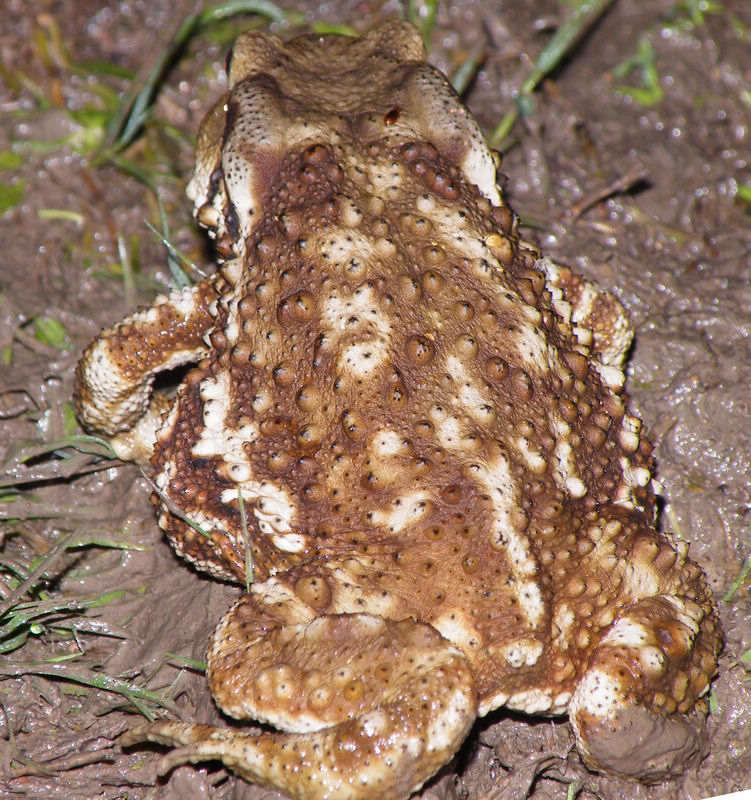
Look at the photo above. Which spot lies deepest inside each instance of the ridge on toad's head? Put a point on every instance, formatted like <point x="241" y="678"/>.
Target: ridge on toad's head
<point x="286" y="96"/>
<point x="329" y="55"/>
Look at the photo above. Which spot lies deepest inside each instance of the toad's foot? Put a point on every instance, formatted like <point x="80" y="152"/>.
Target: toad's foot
<point x="376" y="706"/>
<point x="636" y="710"/>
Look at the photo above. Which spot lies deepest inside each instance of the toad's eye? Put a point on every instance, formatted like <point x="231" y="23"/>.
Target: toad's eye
<point x="391" y="116"/>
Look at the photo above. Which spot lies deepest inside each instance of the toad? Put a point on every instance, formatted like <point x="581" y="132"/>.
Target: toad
<point x="406" y="434"/>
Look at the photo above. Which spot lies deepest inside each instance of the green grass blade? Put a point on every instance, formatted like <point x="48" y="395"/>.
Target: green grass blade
<point x="134" y="111"/>
<point x="83" y="443"/>
<point x="175" y="257"/>
<point x="95" y="680"/>
<point x="422" y="14"/>
<point x="562" y="43"/>
<point x="738" y="581"/>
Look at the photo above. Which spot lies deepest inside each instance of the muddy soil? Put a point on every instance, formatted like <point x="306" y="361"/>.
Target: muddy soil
<point x="635" y="179"/>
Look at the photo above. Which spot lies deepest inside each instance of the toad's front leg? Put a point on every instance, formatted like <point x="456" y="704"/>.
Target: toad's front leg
<point x="116" y="373"/>
<point x="375" y="707"/>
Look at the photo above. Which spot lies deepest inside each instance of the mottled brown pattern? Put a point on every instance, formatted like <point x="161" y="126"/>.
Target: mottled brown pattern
<point x="410" y="432"/>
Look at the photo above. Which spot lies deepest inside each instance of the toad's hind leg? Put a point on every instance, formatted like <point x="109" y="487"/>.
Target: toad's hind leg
<point x="637" y="709"/>
<point x="116" y="373"/>
<point x="376" y="706"/>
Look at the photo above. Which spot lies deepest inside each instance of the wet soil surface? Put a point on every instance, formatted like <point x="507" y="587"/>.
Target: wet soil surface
<point x="636" y="189"/>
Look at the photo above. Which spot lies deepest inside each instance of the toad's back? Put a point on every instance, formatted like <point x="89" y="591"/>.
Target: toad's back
<point x="402" y="412"/>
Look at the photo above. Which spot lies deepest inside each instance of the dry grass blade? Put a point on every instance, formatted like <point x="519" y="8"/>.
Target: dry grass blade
<point x="61" y="764"/>
<point x="620" y="185"/>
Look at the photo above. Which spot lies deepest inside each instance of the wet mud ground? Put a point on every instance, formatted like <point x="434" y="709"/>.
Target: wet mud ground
<point x="638" y="178"/>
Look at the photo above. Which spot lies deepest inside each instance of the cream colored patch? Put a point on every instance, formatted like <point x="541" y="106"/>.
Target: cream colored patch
<point x="534" y="316"/>
<point x="363" y="358"/>
<point x="232" y="329"/>
<point x="565" y="472"/>
<point x="690" y="617"/>
<point x="385" y="176"/>
<point x="597" y="693"/>
<point x="553" y="276"/>
<point x="358" y="313"/>
<point x="116" y="401"/>
<point x="585" y="303"/>
<point x="213" y="420"/>
<point x="492" y="702"/>
<point x="216" y="438"/>
<point x="469" y="396"/>
<point x="532" y="347"/>
<point x="387" y="443"/>
<point x="629" y="433"/>
<point x="375" y="723"/>
<point x="426" y="204"/>
<point x="168" y="424"/>
<point x="635" y="476"/>
<point x="560" y="702"/>
<point x="479" y="169"/>
<point x="344" y="249"/>
<point x="458" y="233"/>
<point x="404" y="511"/>
<point x="447" y="428"/>
<point x="652" y="660"/>
<point x="262" y="400"/>
<point x="275" y="592"/>
<point x="533" y="458"/>
<point x="457" y="627"/>
<point x="239" y="177"/>
<point x="355" y="312"/>
<point x="531" y="701"/>
<point x="584" y="337"/>
<point x="487" y="271"/>
<point x="182" y="300"/>
<point x="271" y="505"/>
<point x="641" y="580"/>
<point x="624" y="496"/>
<point x="522" y="653"/>
<point x="351" y="214"/>
<point x="452" y="715"/>
<point x="497" y="481"/>
<point x="563" y="620"/>
<point x="531" y="602"/>
<point x="626" y="633"/>
<point x="611" y="376"/>
<point x="273" y="509"/>
<point x="350" y="598"/>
